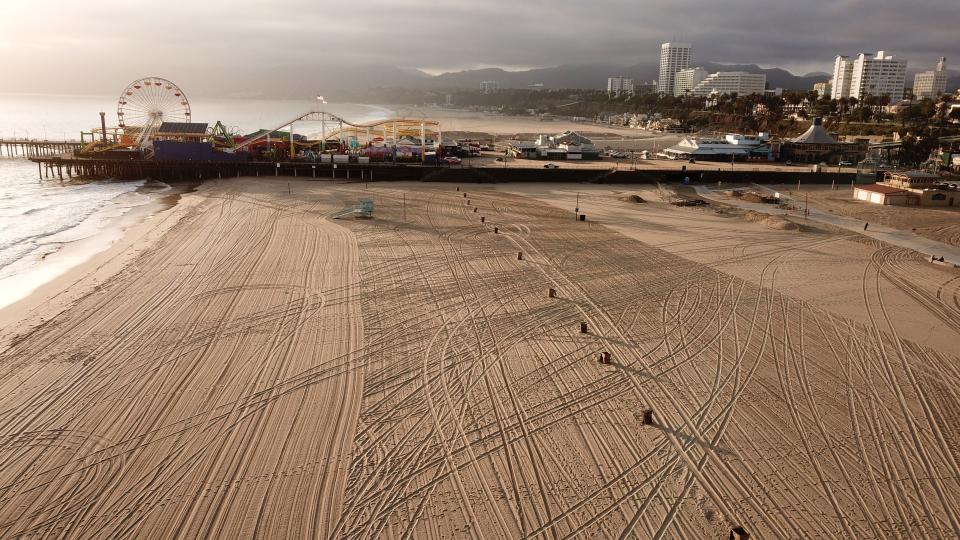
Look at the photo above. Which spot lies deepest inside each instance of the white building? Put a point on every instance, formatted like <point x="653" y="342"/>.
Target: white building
<point x="909" y="188"/>
<point x="674" y="57"/>
<point x="732" y="145"/>
<point x="567" y="145"/>
<point x="489" y="87"/>
<point x="864" y="76"/>
<point x="842" y="75"/>
<point x="878" y="76"/>
<point x="616" y="86"/>
<point x="686" y="80"/>
<point x="930" y="84"/>
<point x="822" y="89"/>
<point x="729" y="82"/>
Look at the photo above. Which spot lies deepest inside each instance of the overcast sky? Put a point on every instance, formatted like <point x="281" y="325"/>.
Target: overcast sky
<point x="70" y="46"/>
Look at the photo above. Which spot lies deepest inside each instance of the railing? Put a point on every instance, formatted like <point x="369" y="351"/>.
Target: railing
<point x="35" y="147"/>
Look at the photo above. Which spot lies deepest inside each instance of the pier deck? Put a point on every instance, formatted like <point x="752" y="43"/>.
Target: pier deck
<point x="180" y="171"/>
<point x="33" y="148"/>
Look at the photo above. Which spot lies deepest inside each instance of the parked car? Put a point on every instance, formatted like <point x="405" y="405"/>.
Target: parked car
<point x="452" y="160"/>
<point x="551" y="166"/>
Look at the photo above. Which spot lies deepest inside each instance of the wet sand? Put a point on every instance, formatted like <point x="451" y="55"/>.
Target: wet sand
<point x="254" y="367"/>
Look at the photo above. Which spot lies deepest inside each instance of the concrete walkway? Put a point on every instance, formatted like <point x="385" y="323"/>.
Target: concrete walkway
<point x="904" y="239"/>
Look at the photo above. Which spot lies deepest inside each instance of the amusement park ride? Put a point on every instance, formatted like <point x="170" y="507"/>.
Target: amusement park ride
<point x="344" y="135"/>
<point x="153" y="109"/>
<point x="143" y="106"/>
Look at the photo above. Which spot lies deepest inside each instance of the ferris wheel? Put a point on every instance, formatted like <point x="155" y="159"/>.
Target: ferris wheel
<point x="146" y="103"/>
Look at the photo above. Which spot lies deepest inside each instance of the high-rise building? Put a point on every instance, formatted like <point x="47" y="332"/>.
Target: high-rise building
<point x="842" y="74"/>
<point x="730" y="82"/>
<point x="864" y="76"/>
<point x="642" y="88"/>
<point x="822" y="89"/>
<point x="686" y="80"/>
<point x="674" y="57"/>
<point x="489" y="87"/>
<point x="619" y="85"/>
<point x="930" y="84"/>
<point x="880" y="75"/>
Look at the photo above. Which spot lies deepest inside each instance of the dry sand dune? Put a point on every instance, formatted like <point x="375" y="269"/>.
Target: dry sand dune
<point x="264" y="370"/>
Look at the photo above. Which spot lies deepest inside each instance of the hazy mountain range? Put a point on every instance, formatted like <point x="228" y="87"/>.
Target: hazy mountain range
<point x="595" y="76"/>
<point x="585" y="76"/>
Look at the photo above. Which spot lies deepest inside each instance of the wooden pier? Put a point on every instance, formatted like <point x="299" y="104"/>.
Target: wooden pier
<point x="36" y="148"/>
<point x="132" y="167"/>
<point x="63" y="168"/>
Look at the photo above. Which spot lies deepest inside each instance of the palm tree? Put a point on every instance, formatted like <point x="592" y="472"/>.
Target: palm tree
<point x="941" y="110"/>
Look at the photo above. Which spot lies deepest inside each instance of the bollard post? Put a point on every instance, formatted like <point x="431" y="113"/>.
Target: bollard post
<point x="647" y="417"/>
<point x="552" y="293"/>
<point x="482" y="218"/>
<point x="458" y="188"/>
<point x="583" y="328"/>
<point x="464" y="195"/>
<point x="474" y="209"/>
<point x="468" y="202"/>
<point x="519" y="255"/>
<point x="496" y="230"/>
<point x="606" y="357"/>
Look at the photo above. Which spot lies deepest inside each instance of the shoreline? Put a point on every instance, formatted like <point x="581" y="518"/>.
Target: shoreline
<point x="78" y="267"/>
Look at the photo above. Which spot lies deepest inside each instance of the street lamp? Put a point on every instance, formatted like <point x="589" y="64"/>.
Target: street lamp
<point x="323" y="125"/>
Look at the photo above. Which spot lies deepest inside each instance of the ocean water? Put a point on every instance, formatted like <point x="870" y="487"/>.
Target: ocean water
<point x="41" y="219"/>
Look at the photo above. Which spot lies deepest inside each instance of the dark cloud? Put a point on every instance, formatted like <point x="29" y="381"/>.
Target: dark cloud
<point x="253" y="46"/>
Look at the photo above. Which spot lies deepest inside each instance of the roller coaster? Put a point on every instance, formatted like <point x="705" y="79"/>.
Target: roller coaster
<point x="385" y="133"/>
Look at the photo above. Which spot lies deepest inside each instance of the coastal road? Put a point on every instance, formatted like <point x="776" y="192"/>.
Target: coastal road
<point x="924" y="246"/>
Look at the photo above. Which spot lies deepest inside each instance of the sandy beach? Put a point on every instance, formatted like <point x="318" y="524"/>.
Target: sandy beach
<point x="245" y="364"/>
